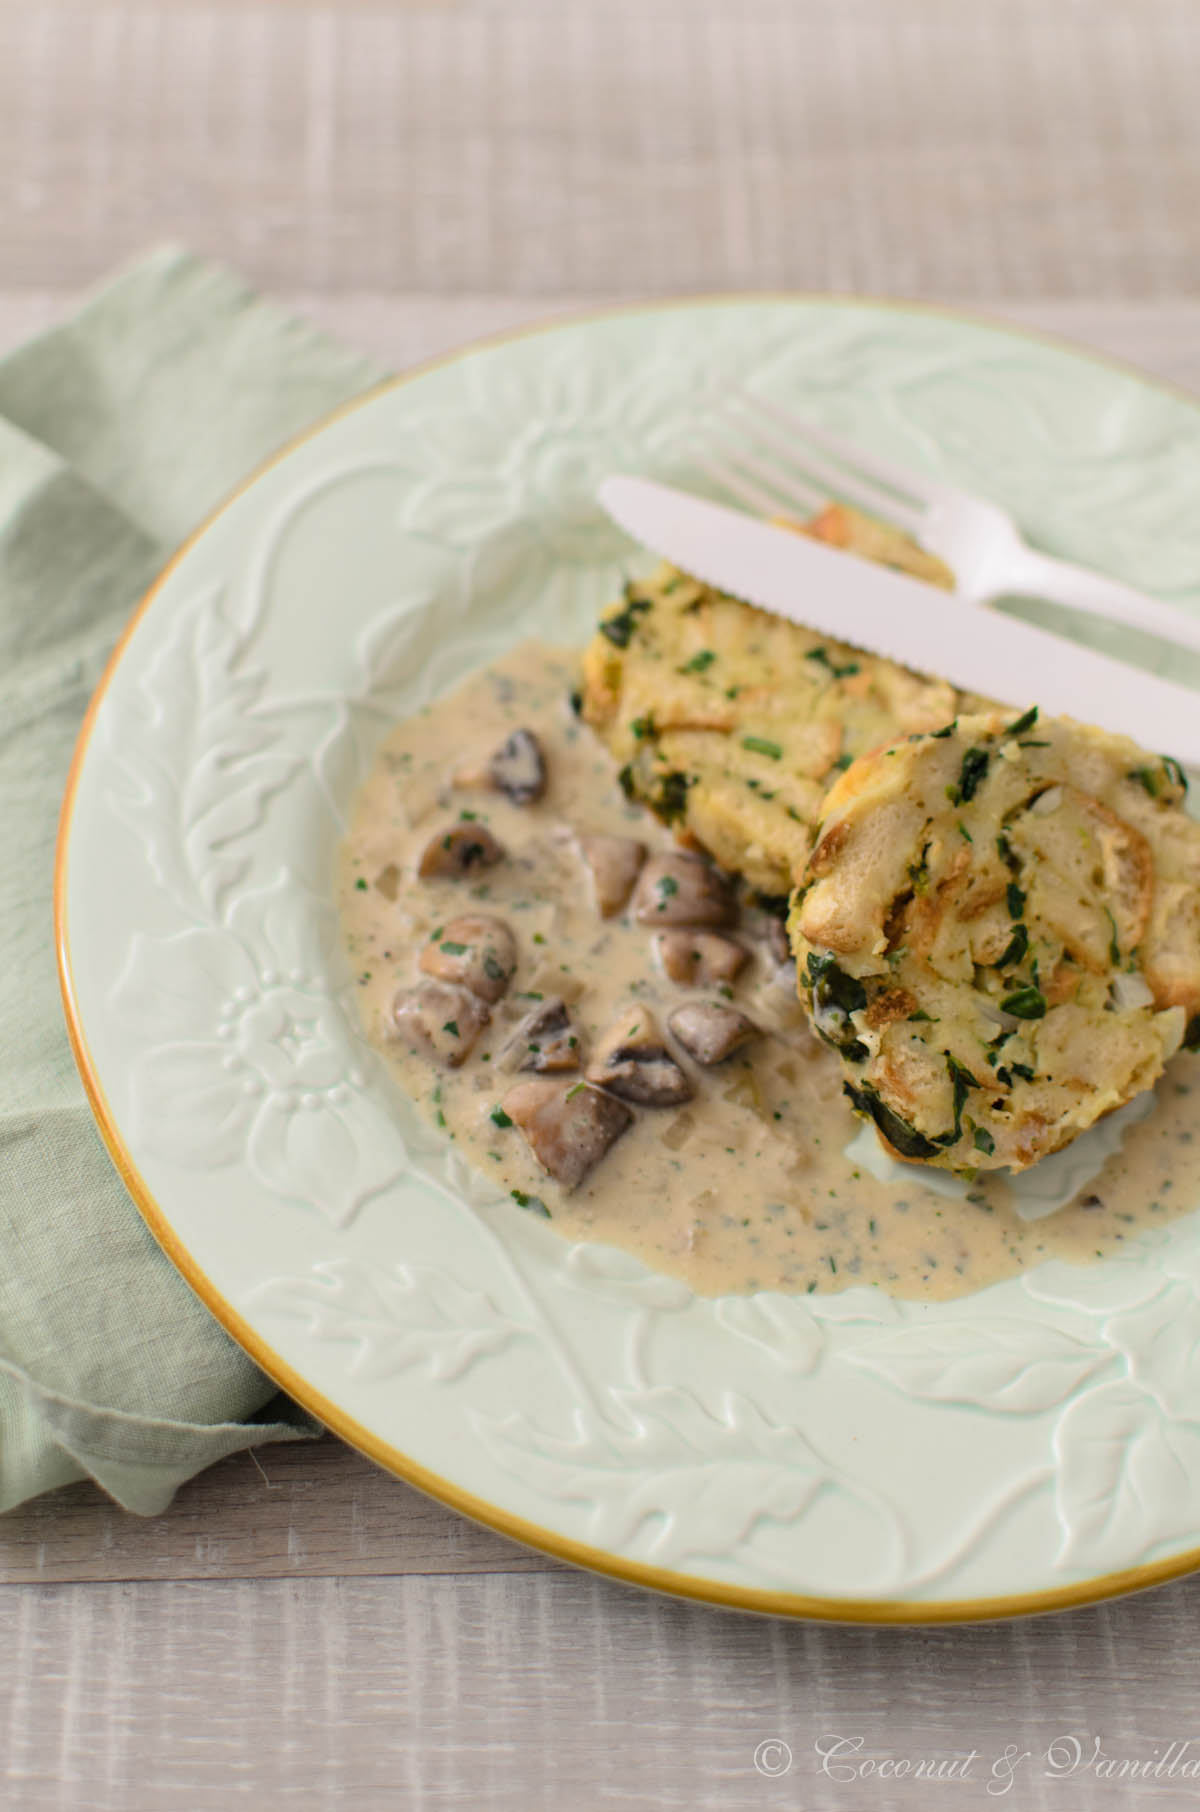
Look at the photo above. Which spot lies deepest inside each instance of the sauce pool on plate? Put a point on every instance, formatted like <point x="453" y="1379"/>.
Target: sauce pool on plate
<point x="727" y="1171"/>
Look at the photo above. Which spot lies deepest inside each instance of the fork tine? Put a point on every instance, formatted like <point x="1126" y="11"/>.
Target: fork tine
<point x="788" y="488"/>
<point x="912" y="487"/>
<point x="797" y="449"/>
<point x="737" y="483"/>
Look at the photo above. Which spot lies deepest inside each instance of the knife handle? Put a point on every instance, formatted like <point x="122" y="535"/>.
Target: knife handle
<point x="1041" y="576"/>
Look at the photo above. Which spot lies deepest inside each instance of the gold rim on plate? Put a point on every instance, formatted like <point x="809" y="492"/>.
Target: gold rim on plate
<point x="392" y="1459"/>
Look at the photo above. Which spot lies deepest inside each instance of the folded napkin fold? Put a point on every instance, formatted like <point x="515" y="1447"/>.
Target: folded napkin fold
<point x="119" y="430"/>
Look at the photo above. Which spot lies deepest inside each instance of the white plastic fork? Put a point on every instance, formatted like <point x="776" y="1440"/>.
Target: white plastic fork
<point x="806" y="467"/>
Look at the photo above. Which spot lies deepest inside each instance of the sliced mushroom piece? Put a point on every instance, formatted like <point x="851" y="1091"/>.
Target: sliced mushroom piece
<point x="698" y="959"/>
<point x="775" y="939"/>
<point x="517" y="769"/>
<point x="709" y="1031"/>
<point x="615" y="863"/>
<point x="439" y="1019"/>
<point x="632" y="1060"/>
<point x="387" y="881"/>
<point x="459" y="850"/>
<point x="568" y="1130"/>
<point x="682" y="889"/>
<point x="478" y="951"/>
<point x="544" y="1040"/>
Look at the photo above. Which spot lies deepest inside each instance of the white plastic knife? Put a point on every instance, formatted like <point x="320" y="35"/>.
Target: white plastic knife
<point x="913" y="623"/>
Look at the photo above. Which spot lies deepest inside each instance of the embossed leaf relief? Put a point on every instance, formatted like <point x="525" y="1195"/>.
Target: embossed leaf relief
<point x="344" y="752"/>
<point x="395" y="1319"/>
<point x="518" y="463"/>
<point x="1121" y="1282"/>
<point x="781" y="1328"/>
<point x="793" y="1331"/>
<point x="403" y="658"/>
<point x="246" y="1055"/>
<point x="1126" y="1478"/>
<point x="1016" y="1367"/>
<point x="1161" y="1342"/>
<point x="1183" y="1259"/>
<point x="701" y="1479"/>
<point x="618" y="1277"/>
<point x="201" y="766"/>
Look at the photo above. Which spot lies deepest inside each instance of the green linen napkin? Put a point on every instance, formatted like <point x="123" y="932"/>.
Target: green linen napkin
<point x="119" y="431"/>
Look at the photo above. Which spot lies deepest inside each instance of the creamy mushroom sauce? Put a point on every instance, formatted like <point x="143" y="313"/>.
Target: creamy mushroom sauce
<point x="745" y="1187"/>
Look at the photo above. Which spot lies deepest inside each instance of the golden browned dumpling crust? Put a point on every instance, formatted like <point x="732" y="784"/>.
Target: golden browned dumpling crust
<point x="999" y="930"/>
<point x="730" y="723"/>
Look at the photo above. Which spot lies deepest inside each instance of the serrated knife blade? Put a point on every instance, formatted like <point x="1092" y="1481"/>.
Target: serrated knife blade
<point x="888" y="613"/>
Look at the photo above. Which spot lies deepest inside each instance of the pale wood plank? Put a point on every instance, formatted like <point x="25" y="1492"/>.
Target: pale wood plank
<point x="531" y="147"/>
<point x="1161" y="338"/>
<point x="403" y="328"/>
<point x="309" y="1509"/>
<point x="558" y="1691"/>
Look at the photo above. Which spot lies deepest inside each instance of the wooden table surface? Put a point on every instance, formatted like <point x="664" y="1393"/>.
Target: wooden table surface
<point x="299" y="1630"/>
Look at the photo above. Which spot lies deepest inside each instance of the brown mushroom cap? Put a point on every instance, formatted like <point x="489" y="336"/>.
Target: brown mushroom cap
<point x="615" y="863"/>
<point x="698" y="959"/>
<point x="678" y="888"/>
<point x="477" y="950"/>
<point x="774" y="938"/>
<point x="518" y="768"/>
<point x="709" y="1031"/>
<point x="568" y="1129"/>
<point x="459" y="849"/>
<point x="544" y="1040"/>
<point x="632" y="1060"/>
<point x="439" y="1019"/>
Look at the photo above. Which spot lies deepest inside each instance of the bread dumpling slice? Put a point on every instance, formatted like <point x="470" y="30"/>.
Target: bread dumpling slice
<point x="999" y="931"/>
<point x="730" y="722"/>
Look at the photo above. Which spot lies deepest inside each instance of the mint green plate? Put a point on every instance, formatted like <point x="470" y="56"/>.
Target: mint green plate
<point x="840" y="1456"/>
